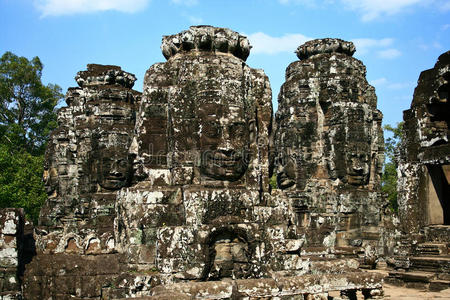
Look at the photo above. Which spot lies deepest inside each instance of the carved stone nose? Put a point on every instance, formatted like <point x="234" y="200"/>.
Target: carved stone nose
<point x="115" y="170"/>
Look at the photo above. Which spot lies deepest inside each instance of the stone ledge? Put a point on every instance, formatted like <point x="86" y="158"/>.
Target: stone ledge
<point x="273" y="287"/>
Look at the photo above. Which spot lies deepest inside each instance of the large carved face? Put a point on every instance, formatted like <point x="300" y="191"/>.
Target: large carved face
<point x="224" y="140"/>
<point x="286" y="168"/>
<point x="113" y="168"/>
<point x="349" y="146"/>
<point x="358" y="162"/>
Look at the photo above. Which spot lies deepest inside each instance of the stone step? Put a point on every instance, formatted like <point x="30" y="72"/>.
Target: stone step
<point x="432" y="249"/>
<point x="438" y="233"/>
<point x="407" y="276"/>
<point x="436" y="264"/>
<point x="437" y="285"/>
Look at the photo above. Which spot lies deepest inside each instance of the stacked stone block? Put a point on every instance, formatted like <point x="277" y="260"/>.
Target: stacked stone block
<point x="11" y="249"/>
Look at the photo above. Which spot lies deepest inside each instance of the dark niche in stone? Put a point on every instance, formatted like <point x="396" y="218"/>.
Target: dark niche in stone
<point x="229" y="254"/>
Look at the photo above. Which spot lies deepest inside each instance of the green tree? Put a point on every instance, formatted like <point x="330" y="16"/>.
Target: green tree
<point x="27" y="116"/>
<point x="389" y="178"/>
<point x="27" y="111"/>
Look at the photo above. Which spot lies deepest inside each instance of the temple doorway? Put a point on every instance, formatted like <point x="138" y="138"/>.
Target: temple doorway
<point x="438" y="195"/>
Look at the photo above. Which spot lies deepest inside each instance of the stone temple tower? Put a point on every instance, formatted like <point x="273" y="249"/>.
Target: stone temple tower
<point x="200" y="160"/>
<point x="329" y="146"/>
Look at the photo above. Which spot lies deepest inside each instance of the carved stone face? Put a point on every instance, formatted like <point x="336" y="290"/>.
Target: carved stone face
<point x="224" y="139"/>
<point x="113" y="169"/>
<point x="286" y="169"/>
<point x="358" y="162"/>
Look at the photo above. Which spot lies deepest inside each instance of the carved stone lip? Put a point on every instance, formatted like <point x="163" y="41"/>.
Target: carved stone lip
<point x="227" y="158"/>
<point x="284" y="181"/>
<point x="356" y="179"/>
<point x="114" y="180"/>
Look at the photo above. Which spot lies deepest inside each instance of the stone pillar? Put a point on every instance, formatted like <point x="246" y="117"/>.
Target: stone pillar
<point x="86" y="162"/>
<point x="11" y="249"/>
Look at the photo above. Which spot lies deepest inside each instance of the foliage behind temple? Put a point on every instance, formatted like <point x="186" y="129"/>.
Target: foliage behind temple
<point x="27" y="116"/>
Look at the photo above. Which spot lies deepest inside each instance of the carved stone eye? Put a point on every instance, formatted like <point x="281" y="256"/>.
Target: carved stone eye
<point x="237" y="130"/>
<point x="212" y="130"/>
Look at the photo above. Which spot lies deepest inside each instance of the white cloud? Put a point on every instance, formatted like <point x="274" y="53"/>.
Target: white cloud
<point x="400" y="85"/>
<point x="266" y="44"/>
<point x="378" y="82"/>
<point x="311" y="3"/>
<point x="445" y="6"/>
<point x="445" y="27"/>
<point x="383" y="82"/>
<point x="389" y="53"/>
<point x="364" y="45"/>
<point x="372" y="9"/>
<point x="194" y="20"/>
<point x="429" y="45"/>
<point x="185" y="2"/>
<point x="68" y="7"/>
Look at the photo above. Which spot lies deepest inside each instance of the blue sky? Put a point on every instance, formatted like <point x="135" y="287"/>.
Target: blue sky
<point x="395" y="39"/>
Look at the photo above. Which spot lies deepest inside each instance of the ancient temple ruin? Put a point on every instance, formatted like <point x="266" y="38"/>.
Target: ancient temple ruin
<point x="166" y="194"/>
<point x="422" y="252"/>
<point x="329" y="147"/>
<point x="424" y="198"/>
<point x="200" y="160"/>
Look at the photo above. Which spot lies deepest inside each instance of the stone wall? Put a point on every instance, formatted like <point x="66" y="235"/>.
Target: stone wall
<point x="11" y="252"/>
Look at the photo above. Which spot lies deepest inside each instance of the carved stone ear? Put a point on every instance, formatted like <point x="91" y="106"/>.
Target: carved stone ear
<point x="252" y="131"/>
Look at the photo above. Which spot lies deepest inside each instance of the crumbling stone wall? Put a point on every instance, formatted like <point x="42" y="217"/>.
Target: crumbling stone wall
<point x="424" y="166"/>
<point x="329" y="147"/>
<point x="11" y="252"/>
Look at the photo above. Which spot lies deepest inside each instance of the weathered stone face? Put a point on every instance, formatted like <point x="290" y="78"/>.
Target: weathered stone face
<point x="201" y="148"/>
<point x="224" y="141"/>
<point x="113" y="168"/>
<point x="87" y="159"/>
<point x="327" y="124"/>
<point x="175" y="187"/>
<point x="329" y="145"/>
<point x="200" y="113"/>
<point x="424" y="172"/>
